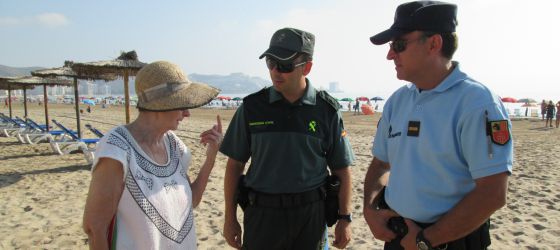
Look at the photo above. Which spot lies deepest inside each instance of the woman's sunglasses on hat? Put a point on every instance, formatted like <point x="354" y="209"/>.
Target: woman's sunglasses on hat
<point x="282" y="67"/>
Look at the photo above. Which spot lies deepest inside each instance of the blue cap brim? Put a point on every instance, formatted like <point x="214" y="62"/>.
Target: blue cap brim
<point x="387" y="35"/>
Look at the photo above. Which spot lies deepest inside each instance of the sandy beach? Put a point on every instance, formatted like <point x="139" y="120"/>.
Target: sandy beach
<point x="42" y="194"/>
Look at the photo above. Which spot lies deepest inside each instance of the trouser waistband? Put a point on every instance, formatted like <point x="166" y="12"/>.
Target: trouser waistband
<point x="285" y="200"/>
<point x="476" y="240"/>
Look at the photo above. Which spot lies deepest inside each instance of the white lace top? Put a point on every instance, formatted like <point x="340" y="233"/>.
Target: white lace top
<point x="155" y="209"/>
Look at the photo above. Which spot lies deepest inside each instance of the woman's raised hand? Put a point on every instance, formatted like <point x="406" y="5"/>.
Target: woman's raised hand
<point x="213" y="137"/>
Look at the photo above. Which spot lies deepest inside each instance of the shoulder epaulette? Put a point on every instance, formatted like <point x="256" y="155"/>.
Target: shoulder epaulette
<point x="258" y="93"/>
<point x="329" y="99"/>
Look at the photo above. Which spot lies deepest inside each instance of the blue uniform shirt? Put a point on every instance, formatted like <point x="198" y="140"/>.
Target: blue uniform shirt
<point x="437" y="145"/>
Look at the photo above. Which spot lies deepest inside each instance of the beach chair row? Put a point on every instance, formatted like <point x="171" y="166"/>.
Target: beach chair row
<point x="62" y="141"/>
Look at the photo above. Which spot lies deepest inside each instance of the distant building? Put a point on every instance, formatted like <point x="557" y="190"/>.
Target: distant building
<point x="334" y="87"/>
<point x="107" y="89"/>
<point x="90" y="88"/>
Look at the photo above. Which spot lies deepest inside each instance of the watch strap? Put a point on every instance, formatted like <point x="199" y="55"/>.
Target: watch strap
<point x="422" y="243"/>
<point x="346" y="217"/>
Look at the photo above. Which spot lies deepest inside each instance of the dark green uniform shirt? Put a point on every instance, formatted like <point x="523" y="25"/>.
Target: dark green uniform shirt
<point x="290" y="145"/>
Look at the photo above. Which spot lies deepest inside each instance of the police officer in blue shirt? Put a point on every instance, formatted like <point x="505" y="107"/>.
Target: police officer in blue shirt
<point x="443" y="148"/>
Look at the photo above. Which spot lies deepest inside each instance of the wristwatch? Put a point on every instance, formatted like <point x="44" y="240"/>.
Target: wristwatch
<point x="346" y="217"/>
<point x="422" y="243"/>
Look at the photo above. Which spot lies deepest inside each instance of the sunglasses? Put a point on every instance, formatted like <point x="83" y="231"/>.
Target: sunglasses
<point x="281" y="67"/>
<point x="399" y="45"/>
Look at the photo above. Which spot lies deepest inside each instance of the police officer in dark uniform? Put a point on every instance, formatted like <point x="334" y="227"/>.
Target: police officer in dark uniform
<point x="291" y="132"/>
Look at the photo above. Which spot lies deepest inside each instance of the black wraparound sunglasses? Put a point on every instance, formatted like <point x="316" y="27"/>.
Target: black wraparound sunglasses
<point x="399" y="45"/>
<point x="282" y="67"/>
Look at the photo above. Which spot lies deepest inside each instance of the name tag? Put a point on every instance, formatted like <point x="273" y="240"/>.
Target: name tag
<point x="413" y="128"/>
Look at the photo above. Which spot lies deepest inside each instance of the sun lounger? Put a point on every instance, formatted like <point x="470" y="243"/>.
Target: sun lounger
<point x="40" y="134"/>
<point x="86" y="146"/>
<point x="25" y="128"/>
<point x="3" y="121"/>
<point x="94" y="130"/>
<point x="13" y="127"/>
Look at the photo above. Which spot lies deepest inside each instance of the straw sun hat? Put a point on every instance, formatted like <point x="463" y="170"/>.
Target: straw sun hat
<point x="163" y="86"/>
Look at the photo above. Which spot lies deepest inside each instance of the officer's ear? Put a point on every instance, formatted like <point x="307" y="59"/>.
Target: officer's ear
<point x="307" y="68"/>
<point x="436" y="43"/>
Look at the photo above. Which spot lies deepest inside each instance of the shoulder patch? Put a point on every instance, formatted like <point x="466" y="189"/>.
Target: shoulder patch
<point x="499" y="131"/>
<point x="329" y="99"/>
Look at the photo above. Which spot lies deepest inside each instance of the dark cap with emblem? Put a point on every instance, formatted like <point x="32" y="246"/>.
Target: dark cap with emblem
<point x="420" y="15"/>
<point x="286" y="43"/>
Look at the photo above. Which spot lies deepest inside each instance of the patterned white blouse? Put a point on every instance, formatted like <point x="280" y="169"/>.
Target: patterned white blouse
<point x="155" y="209"/>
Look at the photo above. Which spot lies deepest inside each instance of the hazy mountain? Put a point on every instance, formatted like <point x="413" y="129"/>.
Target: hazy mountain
<point x="235" y="83"/>
<point x="11" y="71"/>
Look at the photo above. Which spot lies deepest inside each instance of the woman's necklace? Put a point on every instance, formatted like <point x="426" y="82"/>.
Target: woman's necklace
<point x="158" y="155"/>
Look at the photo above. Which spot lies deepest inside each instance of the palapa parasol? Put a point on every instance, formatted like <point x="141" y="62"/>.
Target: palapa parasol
<point x="33" y="81"/>
<point x="125" y="65"/>
<point x="6" y="84"/>
<point x="66" y="71"/>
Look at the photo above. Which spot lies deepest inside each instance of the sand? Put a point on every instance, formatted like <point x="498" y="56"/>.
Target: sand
<point x="42" y="195"/>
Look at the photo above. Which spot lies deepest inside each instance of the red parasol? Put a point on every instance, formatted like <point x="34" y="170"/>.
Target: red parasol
<point x="227" y="98"/>
<point x="362" y="98"/>
<point x="509" y="99"/>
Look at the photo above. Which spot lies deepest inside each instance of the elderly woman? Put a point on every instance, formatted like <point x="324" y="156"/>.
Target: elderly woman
<point x="140" y="196"/>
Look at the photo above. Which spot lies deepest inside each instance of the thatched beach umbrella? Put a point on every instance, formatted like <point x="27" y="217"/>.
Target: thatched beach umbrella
<point x="125" y="65"/>
<point x="45" y="81"/>
<point x="7" y="85"/>
<point x="66" y="71"/>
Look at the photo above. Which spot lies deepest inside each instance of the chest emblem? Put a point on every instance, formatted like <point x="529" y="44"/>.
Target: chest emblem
<point x="391" y="134"/>
<point x="312" y="126"/>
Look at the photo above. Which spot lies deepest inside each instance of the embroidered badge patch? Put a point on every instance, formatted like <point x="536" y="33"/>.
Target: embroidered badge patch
<point x="499" y="131"/>
<point x="312" y="126"/>
<point x="413" y="128"/>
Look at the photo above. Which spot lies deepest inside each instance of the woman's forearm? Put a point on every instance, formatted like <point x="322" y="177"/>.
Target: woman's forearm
<point x="199" y="184"/>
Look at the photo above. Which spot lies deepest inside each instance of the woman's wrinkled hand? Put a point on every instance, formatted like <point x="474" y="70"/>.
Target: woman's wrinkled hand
<point x="213" y="137"/>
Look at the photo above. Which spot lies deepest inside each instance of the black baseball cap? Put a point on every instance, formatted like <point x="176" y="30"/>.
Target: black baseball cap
<point x="286" y="43"/>
<point x="432" y="16"/>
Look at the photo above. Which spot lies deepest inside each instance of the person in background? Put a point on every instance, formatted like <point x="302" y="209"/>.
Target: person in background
<point x="549" y="114"/>
<point x="357" y="107"/>
<point x="435" y="178"/>
<point x="141" y="196"/>
<point x="293" y="134"/>
<point x="557" y="114"/>
<point x="543" y="109"/>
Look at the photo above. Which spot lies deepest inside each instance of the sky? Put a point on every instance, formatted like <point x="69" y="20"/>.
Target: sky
<point x="498" y="43"/>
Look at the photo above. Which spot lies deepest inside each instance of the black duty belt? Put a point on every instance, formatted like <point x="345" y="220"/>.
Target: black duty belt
<point x="285" y="200"/>
<point x="479" y="239"/>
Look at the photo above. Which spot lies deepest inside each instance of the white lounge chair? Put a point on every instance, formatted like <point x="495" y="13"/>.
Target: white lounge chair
<point x="40" y="134"/>
<point x="86" y="146"/>
<point x="13" y="127"/>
